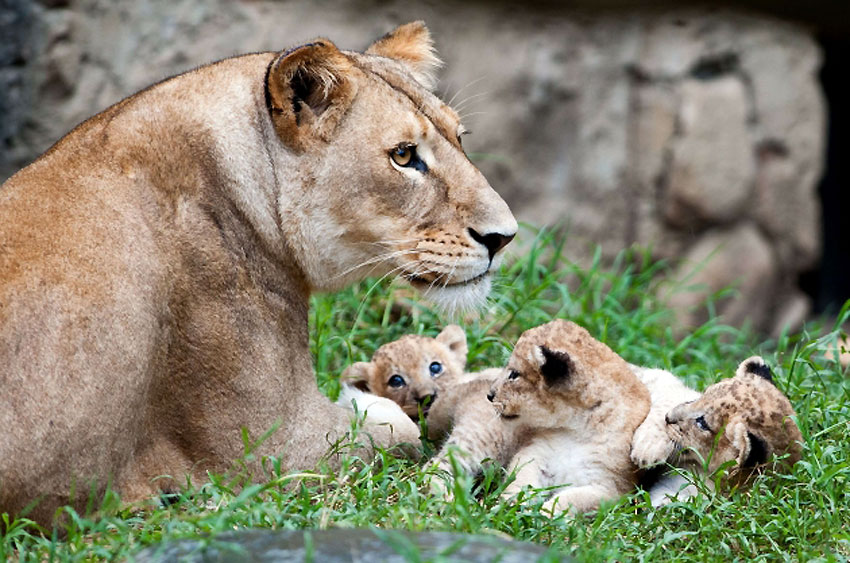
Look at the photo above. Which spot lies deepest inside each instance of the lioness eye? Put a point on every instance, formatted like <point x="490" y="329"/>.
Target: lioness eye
<point x="396" y="381"/>
<point x="404" y="155"/>
<point x="513" y="374"/>
<point x="436" y="368"/>
<point x="703" y="425"/>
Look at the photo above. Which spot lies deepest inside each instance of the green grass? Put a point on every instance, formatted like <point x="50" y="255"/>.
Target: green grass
<point x="801" y="516"/>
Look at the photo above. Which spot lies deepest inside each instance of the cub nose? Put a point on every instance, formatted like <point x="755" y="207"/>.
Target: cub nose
<point x="494" y="242"/>
<point x="667" y="419"/>
<point x="491" y="395"/>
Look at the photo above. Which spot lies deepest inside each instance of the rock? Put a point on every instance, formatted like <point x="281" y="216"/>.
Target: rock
<point x="712" y="170"/>
<point x="344" y="545"/>
<point x="792" y="311"/>
<point x="786" y="211"/>
<point x="645" y="127"/>
<point x="738" y="258"/>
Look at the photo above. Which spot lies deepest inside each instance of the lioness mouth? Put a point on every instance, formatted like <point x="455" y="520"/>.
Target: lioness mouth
<point x="416" y="280"/>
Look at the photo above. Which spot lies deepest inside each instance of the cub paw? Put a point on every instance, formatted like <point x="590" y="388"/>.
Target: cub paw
<point x="650" y="447"/>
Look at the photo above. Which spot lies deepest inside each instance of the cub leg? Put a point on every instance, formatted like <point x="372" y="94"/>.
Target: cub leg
<point x="527" y="474"/>
<point x="579" y="500"/>
<point x="650" y="444"/>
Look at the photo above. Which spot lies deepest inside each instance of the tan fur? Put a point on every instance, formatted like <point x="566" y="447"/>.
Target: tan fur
<point x="439" y="398"/>
<point x="748" y="421"/>
<point x="567" y="407"/>
<point x="410" y="358"/>
<point x="750" y="412"/>
<point x="156" y="265"/>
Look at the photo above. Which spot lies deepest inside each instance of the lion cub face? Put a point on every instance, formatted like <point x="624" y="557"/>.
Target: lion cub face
<point x="559" y="376"/>
<point x="391" y="189"/>
<point x="747" y="417"/>
<point x="413" y="370"/>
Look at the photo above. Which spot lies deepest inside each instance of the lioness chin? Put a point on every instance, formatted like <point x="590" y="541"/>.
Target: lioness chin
<point x="156" y="263"/>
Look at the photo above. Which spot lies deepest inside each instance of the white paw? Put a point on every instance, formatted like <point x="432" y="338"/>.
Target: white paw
<point x="650" y="448"/>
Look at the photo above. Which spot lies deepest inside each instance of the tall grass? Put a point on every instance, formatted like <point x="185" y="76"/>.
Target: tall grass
<point x="800" y="516"/>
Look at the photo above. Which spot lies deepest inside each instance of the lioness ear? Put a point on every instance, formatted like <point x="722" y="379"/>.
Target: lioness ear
<point x="411" y="44"/>
<point x="358" y="375"/>
<point x="454" y="337"/>
<point x="555" y="366"/>
<point x="308" y="90"/>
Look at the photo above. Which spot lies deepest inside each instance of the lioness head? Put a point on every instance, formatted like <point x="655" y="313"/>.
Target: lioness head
<point x="558" y="374"/>
<point x="745" y="419"/>
<point x="384" y="184"/>
<point x="412" y="370"/>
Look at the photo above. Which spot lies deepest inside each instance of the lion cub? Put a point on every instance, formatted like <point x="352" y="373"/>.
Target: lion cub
<point x="564" y="412"/>
<point x="744" y="419"/>
<point x="419" y="374"/>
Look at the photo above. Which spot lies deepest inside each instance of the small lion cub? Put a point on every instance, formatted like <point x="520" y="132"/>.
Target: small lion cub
<point x="566" y="408"/>
<point x="419" y="374"/>
<point x="745" y="419"/>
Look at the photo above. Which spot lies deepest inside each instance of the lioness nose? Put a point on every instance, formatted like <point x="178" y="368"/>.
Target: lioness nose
<point x="491" y="395"/>
<point x="494" y="242"/>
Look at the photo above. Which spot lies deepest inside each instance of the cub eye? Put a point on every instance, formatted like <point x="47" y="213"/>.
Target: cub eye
<point x="703" y="425"/>
<point x="513" y="375"/>
<point x="404" y="155"/>
<point x="396" y="381"/>
<point x="436" y="368"/>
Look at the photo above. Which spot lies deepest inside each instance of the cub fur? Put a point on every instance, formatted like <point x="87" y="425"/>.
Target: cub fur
<point x="566" y="408"/>
<point x="156" y="263"/>
<point x="413" y="370"/>
<point x="745" y="419"/>
<point x="421" y="375"/>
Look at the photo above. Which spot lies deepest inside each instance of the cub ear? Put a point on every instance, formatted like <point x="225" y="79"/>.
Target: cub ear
<point x="308" y="90"/>
<point x="752" y="450"/>
<point x="357" y="375"/>
<point x="410" y="44"/>
<point x="556" y="367"/>
<point x="755" y="366"/>
<point x="454" y="337"/>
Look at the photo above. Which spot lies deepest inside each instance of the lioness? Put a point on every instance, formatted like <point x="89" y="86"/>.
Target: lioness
<point x="156" y="263"/>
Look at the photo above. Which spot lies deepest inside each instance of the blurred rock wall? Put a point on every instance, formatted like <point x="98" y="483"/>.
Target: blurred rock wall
<point x="697" y="132"/>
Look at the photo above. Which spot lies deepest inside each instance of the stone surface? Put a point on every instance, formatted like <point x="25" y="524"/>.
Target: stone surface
<point x="655" y="127"/>
<point x="712" y="169"/>
<point x="344" y="546"/>
<point x="739" y="258"/>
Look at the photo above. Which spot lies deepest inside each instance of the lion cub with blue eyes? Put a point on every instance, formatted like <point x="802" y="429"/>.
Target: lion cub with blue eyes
<point x="418" y="373"/>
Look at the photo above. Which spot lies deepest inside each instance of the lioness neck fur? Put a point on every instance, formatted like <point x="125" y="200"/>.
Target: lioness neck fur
<point x="156" y="263"/>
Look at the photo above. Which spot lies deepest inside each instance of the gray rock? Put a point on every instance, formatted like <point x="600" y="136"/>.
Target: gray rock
<point x="738" y="258"/>
<point x="629" y="126"/>
<point x="712" y="171"/>
<point x="344" y="546"/>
